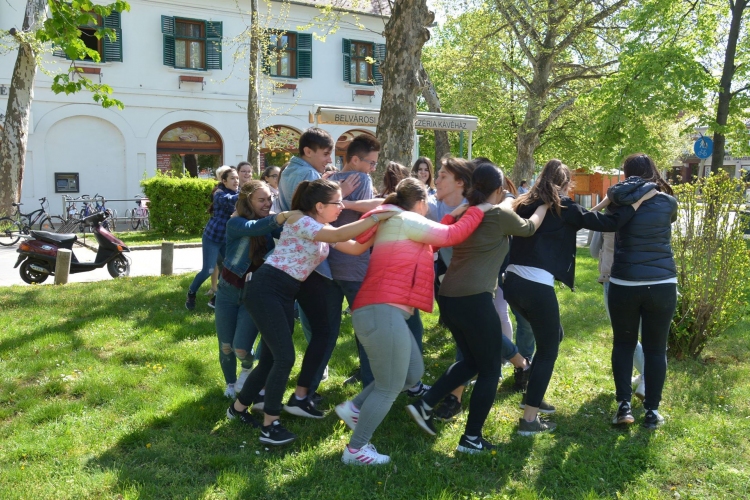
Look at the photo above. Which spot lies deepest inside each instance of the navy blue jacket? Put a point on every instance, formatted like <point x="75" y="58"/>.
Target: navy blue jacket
<point x="643" y="250"/>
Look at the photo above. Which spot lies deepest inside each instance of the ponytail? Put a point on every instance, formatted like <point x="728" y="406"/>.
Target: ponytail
<point x="409" y="192"/>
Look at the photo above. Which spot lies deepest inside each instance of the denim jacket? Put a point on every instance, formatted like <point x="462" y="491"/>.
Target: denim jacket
<point x="297" y="171"/>
<point x="239" y="232"/>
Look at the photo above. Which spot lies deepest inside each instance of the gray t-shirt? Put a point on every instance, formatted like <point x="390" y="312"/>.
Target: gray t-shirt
<point x="438" y="210"/>
<point x="343" y="266"/>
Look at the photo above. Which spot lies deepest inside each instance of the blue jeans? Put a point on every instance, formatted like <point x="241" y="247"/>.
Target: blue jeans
<point x="414" y="322"/>
<point x="524" y="336"/>
<point x="236" y="330"/>
<point x="211" y="252"/>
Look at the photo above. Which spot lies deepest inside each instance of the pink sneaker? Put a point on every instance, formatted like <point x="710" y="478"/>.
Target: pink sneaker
<point x="347" y="413"/>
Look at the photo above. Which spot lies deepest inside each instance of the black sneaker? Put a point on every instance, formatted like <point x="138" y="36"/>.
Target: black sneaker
<point x="536" y="426"/>
<point x="447" y="409"/>
<point x="652" y="419"/>
<point x="624" y="415"/>
<point x="520" y="380"/>
<point x="544" y="407"/>
<point x="276" y="434"/>
<point x="243" y="416"/>
<point x="190" y="302"/>
<point x="465" y="445"/>
<point x="355" y="378"/>
<point x="212" y="302"/>
<point x="305" y="408"/>
<point x="418" y="390"/>
<point x="422" y="416"/>
<point x="316" y="398"/>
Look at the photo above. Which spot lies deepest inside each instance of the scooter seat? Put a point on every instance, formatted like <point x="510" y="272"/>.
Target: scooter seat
<point x="60" y="239"/>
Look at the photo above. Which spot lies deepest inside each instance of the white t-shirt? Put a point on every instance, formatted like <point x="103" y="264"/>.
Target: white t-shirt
<point x="296" y="253"/>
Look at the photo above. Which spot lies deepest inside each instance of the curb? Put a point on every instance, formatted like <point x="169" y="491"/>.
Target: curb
<point x="142" y="247"/>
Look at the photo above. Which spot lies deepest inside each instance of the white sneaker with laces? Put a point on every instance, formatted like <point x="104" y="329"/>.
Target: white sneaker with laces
<point x="346" y="412"/>
<point x="229" y="391"/>
<point x="636" y="380"/>
<point x="367" y="455"/>
<point x="640" y="391"/>
<point x="241" y="379"/>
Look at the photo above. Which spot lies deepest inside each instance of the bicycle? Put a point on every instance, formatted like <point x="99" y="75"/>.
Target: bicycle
<point x="110" y="223"/>
<point x="139" y="215"/>
<point x="18" y="224"/>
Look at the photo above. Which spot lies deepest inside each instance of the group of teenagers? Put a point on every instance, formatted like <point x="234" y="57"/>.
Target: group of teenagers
<point x="466" y="239"/>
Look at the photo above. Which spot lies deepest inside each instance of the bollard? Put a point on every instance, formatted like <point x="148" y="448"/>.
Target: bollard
<point x="62" y="266"/>
<point x="167" y="258"/>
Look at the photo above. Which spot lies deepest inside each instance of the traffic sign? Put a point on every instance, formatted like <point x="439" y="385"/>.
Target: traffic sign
<point x="703" y="147"/>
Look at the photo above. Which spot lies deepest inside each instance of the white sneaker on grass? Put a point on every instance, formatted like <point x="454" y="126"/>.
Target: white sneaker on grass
<point x="640" y="391"/>
<point x="367" y="455"/>
<point x="346" y="412"/>
<point x="230" y="391"/>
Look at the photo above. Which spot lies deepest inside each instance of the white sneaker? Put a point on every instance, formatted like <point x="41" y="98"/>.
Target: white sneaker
<point x="636" y="380"/>
<point x="346" y="412"/>
<point x="325" y="375"/>
<point x="229" y="391"/>
<point x="367" y="455"/>
<point x="640" y="391"/>
<point x="241" y="379"/>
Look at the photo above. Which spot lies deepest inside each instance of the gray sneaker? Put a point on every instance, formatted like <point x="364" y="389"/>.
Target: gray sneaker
<point x="544" y="407"/>
<point x="534" y="427"/>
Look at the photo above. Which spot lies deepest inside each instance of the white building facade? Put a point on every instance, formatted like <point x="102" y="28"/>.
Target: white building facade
<point x="181" y="73"/>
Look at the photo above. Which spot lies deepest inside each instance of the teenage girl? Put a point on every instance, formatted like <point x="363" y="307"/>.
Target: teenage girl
<point x="535" y="264"/>
<point x="642" y="287"/>
<point x="468" y="310"/>
<point x="398" y="281"/>
<point x="249" y="237"/>
<point x="270" y="298"/>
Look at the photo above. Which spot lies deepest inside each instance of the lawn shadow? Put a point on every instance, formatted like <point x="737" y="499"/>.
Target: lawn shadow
<point x="590" y="456"/>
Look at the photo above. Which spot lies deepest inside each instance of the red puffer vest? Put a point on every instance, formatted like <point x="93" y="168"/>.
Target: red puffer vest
<point x="401" y="266"/>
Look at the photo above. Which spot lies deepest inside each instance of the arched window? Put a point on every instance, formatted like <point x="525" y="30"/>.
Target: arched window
<point x="190" y="147"/>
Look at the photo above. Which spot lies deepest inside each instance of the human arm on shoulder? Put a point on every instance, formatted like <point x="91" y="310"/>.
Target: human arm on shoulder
<point x="329" y="234"/>
<point x="424" y="230"/>
<point x="602" y="204"/>
<point x="515" y="225"/>
<point x="363" y="206"/>
<point x="239" y="226"/>
<point x="352" y="247"/>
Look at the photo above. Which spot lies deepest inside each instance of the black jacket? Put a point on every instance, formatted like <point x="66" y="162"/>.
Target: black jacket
<point x="643" y="250"/>
<point x="553" y="246"/>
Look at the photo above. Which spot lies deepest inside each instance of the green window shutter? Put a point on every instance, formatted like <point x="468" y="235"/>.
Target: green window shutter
<point x="167" y="28"/>
<point x="214" y="32"/>
<point x="58" y="52"/>
<point x="378" y="53"/>
<point x="304" y="55"/>
<point x="346" y="48"/>
<point x="113" y="48"/>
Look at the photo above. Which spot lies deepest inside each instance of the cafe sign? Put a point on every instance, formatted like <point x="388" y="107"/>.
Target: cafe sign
<point x="364" y="117"/>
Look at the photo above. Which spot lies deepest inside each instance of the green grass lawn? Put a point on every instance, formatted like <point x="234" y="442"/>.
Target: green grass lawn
<point x="141" y="238"/>
<point x="113" y="390"/>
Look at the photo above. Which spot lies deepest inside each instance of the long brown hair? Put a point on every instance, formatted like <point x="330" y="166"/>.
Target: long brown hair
<point x="642" y="166"/>
<point x="546" y="189"/>
<point x="394" y="173"/>
<point x="244" y="207"/>
<point x="430" y="168"/>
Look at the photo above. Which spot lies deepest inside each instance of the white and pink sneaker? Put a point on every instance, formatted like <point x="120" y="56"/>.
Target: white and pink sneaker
<point x="367" y="455"/>
<point x="348" y="413"/>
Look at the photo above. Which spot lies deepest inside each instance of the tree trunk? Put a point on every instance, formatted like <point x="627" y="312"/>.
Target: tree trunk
<point x="405" y="34"/>
<point x="725" y="87"/>
<point x="442" y="145"/>
<point x="253" y="107"/>
<point x="15" y="136"/>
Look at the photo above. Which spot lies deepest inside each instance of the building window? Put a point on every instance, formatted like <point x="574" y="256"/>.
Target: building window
<point x="191" y="43"/>
<point x="109" y="49"/>
<point x="289" y="55"/>
<point x="362" y="62"/>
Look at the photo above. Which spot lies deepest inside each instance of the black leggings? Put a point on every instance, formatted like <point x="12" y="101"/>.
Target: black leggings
<point x="475" y="326"/>
<point x="537" y="303"/>
<point x="651" y="306"/>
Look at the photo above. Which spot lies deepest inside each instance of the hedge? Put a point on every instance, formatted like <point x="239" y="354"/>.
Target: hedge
<point x="178" y="204"/>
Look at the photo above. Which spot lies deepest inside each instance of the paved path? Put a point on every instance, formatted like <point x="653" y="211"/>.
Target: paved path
<point x="144" y="263"/>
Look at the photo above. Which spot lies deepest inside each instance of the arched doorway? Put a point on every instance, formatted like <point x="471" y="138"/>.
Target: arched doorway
<point x="189" y="147"/>
<point x="278" y="144"/>
<point x="343" y="143"/>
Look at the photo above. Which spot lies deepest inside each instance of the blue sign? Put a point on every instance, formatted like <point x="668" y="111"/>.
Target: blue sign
<point x="703" y="147"/>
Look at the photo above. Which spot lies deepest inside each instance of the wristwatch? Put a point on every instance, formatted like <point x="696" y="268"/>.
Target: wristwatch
<point x="375" y="218"/>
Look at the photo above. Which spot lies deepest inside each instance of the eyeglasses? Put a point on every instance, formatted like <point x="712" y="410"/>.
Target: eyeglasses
<point x="340" y="202"/>
<point x="274" y="176"/>
<point x="372" y="163"/>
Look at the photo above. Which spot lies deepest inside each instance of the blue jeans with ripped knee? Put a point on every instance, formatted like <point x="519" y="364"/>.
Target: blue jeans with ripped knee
<point x="235" y="329"/>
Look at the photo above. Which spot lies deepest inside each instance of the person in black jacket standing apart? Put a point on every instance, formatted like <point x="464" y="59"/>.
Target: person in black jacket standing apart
<point x="535" y="264"/>
<point x="643" y="286"/>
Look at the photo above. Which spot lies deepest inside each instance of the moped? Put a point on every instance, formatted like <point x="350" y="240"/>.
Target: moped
<point x="38" y="254"/>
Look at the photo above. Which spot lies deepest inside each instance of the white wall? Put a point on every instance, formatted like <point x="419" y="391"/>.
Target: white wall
<point x="112" y="150"/>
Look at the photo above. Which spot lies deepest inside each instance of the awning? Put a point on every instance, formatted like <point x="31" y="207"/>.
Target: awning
<point x="368" y="117"/>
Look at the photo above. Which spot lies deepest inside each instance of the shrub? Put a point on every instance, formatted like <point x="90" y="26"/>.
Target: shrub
<point x="713" y="262"/>
<point x="178" y="204"/>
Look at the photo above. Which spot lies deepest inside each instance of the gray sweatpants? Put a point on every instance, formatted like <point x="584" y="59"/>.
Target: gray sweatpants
<point x="396" y="364"/>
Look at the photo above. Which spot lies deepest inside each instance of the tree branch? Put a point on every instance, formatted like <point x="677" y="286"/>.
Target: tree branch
<point x="518" y="77"/>
<point x="587" y="23"/>
<point x="555" y="114"/>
